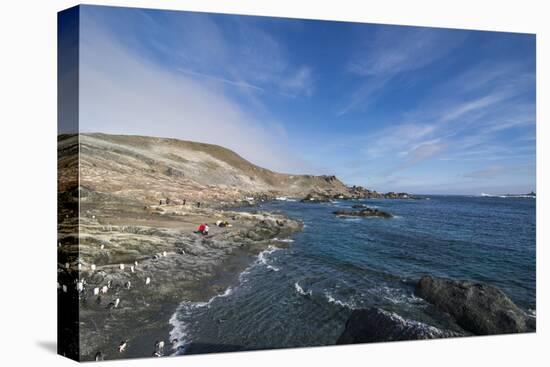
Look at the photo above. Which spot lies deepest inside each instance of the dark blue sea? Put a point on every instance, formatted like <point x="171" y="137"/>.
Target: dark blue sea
<point x="302" y="295"/>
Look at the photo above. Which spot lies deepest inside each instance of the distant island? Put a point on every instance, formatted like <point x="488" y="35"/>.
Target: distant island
<point x="529" y="195"/>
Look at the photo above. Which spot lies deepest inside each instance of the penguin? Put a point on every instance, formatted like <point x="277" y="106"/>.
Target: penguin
<point x="164" y="253"/>
<point x="159" y="345"/>
<point x="109" y="283"/>
<point x="155" y="257"/>
<point x="96" y="291"/>
<point x="104" y="289"/>
<point x="148" y="280"/>
<point x="156" y="353"/>
<point x="136" y="263"/>
<point x="99" y="356"/>
<point x="121" y="266"/>
<point x="102" y="247"/>
<point x="128" y="284"/>
<point x="122" y="346"/>
<point x="67" y="266"/>
<point x="182" y="252"/>
<point x="79" y="287"/>
<point x="79" y="266"/>
<point x="174" y="342"/>
<point x="92" y="267"/>
<point x="132" y="268"/>
<point x="64" y="288"/>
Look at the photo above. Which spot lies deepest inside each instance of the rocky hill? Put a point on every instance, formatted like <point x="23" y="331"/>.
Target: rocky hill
<point x="148" y="169"/>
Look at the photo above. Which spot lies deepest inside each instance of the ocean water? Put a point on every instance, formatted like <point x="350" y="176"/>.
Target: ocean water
<point x="302" y="295"/>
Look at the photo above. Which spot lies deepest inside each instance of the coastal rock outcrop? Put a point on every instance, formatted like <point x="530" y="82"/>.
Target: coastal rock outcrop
<point x="360" y="192"/>
<point x="367" y="212"/>
<point x="316" y="197"/>
<point x="479" y="308"/>
<point x="397" y="195"/>
<point x="377" y="325"/>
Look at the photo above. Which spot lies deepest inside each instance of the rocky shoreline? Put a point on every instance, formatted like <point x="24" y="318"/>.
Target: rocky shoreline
<point x="133" y="267"/>
<point x="477" y="308"/>
<point x="129" y="254"/>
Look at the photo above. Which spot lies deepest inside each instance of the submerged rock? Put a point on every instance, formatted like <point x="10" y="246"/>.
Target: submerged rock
<point x="367" y="212"/>
<point x="377" y="325"/>
<point x="479" y="308"/>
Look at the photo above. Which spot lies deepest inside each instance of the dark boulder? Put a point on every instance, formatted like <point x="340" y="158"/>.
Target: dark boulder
<point x="377" y="325"/>
<point x="174" y="172"/>
<point x="479" y="308"/>
<point x="367" y="212"/>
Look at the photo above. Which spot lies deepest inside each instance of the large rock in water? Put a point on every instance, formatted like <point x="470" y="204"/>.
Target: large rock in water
<point x="367" y="212"/>
<point x="376" y="325"/>
<point x="479" y="308"/>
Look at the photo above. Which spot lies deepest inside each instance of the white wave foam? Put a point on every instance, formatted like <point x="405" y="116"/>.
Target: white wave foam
<point x="179" y="331"/>
<point x="335" y="301"/>
<point x="350" y="219"/>
<point x="262" y="255"/>
<point x="397" y="296"/>
<point x="179" y="328"/>
<point x="425" y="328"/>
<point x="285" y="240"/>
<point x="301" y="291"/>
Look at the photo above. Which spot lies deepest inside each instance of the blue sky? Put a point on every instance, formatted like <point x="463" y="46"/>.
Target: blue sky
<point x="414" y="109"/>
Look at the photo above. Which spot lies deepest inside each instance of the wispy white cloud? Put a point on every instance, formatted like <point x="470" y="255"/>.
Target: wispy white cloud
<point x="232" y="50"/>
<point x="425" y="151"/>
<point x="300" y="83"/>
<point x="456" y="125"/>
<point x="236" y="83"/>
<point x="126" y="93"/>
<point x="392" y="51"/>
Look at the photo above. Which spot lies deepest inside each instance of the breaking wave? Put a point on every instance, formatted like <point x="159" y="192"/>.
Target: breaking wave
<point x="301" y="290"/>
<point x="337" y="302"/>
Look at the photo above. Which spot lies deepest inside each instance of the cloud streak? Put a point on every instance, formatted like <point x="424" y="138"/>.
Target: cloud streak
<point x="392" y="51"/>
<point x="127" y="93"/>
<point x="457" y="124"/>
